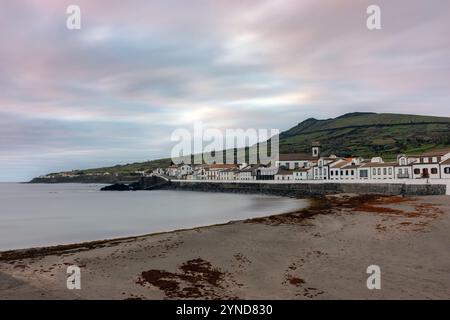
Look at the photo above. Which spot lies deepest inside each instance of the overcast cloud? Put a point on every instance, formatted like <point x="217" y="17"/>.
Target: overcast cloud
<point x="114" y="91"/>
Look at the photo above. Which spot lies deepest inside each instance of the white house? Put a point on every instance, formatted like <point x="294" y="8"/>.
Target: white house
<point x="246" y="173"/>
<point x="302" y="174"/>
<point x="335" y="168"/>
<point x="445" y="169"/>
<point x="213" y="170"/>
<point x="266" y="173"/>
<point x="321" y="170"/>
<point x="403" y="169"/>
<point x="377" y="170"/>
<point x="349" y="172"/>
<point x="428" y="165"/>
<point x="283" y="174"/>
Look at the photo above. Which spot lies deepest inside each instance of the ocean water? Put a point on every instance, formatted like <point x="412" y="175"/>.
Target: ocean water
<point x="34" y="215"/>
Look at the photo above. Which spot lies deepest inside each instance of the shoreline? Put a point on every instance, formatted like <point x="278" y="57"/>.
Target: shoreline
<point x="319" y="252"/>
<point x="31" y="252"/>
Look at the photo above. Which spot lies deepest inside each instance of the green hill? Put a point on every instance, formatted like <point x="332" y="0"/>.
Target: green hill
<point x="369" y="134"/>
<point x="363" y="134"/>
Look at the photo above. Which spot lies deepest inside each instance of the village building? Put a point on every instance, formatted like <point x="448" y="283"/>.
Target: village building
<point x="213" y="170"/>
<point x="445" y="169"/>
<point x="377" y="170"/>
<point x="321" y="169"/>
<point x="283" y="174"/>
<point x="335" y="168"/>
<point x="428" y="164"/>
<point x="266" y="173"/>
<point x="403" y="169"/>
<point x="246" y="173"/>
<point x="291" y="161"/>
<point x="300" y="166"/>
<point x="302" y="174"/>
<point x="349" y="172"/>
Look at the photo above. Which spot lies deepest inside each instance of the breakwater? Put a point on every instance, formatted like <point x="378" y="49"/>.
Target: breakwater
<point x="294" y="189"/>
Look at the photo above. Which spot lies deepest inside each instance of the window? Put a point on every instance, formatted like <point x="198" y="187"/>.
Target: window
<point x="295" y="165"/>
<point x="346" y="172"/>
<point x="447" y="170"/>
<point x="424" y="160"/>
<point x="379" y="171"/>
<point x="364" y="174"/>
<point x="390" y="171"/>
<point x="434" y="171"/>
<point x="331" y="172"/>
<point x="353" y="172"/>
<point x="374" y="171"/>
<point x="416" y="171"/>
<point x="384" y="171"/>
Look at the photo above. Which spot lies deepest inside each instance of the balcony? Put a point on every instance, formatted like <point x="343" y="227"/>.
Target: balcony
<point x="403" y="176"/>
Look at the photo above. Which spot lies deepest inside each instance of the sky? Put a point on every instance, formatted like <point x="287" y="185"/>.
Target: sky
<point x="115" y="90"/>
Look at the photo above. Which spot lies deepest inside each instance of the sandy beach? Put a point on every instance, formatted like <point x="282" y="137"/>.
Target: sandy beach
<point x="318" y="253"/>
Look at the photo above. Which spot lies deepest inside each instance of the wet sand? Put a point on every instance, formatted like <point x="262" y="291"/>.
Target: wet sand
<point x="318" y="253"/>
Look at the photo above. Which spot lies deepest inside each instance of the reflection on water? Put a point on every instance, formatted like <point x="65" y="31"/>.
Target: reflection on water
<point x="49" y="214"/>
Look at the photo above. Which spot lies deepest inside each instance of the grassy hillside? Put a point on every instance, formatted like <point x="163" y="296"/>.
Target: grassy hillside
<point x="368" y="134"/>
<point x="363" y="134"/>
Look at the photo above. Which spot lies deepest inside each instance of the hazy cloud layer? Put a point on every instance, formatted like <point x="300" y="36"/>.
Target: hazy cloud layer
<point x="116" y="89"/>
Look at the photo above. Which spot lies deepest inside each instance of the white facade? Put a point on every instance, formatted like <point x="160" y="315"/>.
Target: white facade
<point x="245" y="175"/>
<point x="377" y="171"/>
<point x="426" y="170"/>
<point x="445" y="169"/>
<point x="302" y="174"/>
<point x="430" y="165"/>
<point x="403" y="172"/>
<point x="293" y="164"/>
<point x="284" y="176"/>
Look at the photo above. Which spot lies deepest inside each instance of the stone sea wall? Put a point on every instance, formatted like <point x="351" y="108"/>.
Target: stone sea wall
<point x="311" y="189"/>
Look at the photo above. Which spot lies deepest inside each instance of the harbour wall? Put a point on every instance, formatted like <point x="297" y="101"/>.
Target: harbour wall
<point x="310" y="189"/>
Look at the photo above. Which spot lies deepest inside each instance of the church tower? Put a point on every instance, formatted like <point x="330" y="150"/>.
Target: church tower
<point x="315" y="148"/>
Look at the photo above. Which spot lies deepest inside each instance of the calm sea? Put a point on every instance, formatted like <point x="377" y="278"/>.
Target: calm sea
<point x="33" y="215"/>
